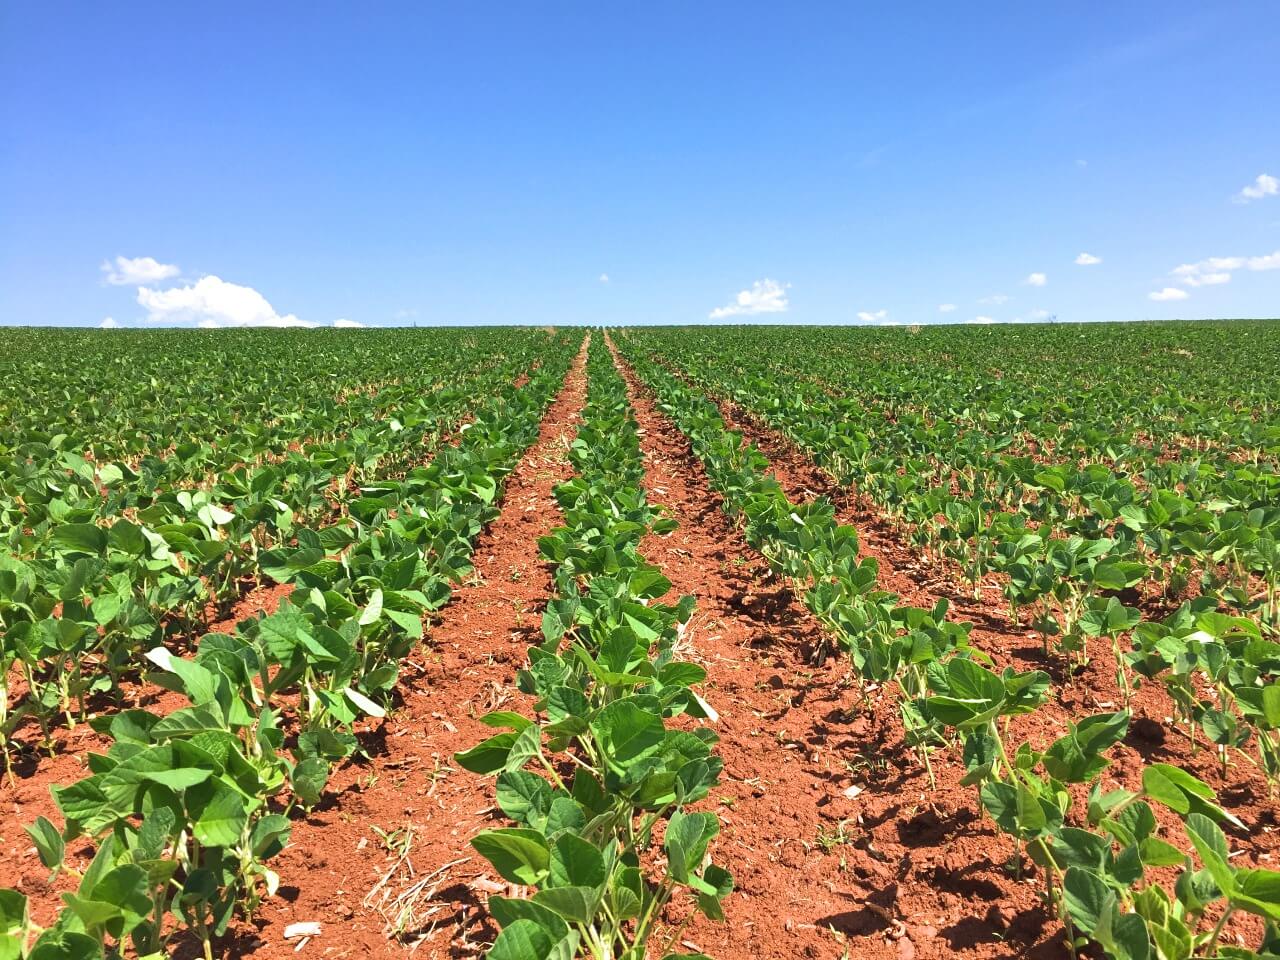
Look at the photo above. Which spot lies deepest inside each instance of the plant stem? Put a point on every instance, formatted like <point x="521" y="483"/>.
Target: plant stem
<point x="1217" y="931"/>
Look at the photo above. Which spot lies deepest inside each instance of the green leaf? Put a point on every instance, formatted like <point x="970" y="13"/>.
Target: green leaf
<point x="506" y="719"/>
<point x="48" y="841"/>
<point x="628" y="734"/>
<point x="176" y="780"/>
<point x="489" y="756"/>
<point x="1159" y="787"/>
<point x="1211" y="844"/>
<point x="269" y="835"/>
<point x="507" y="910"/>
<point x="528" y="744"/>
<point x="1258" y="892"/>
<point x="199" y="682"/>
<point x="308" y="780"/>
<point x="686" y="840"/>
<point x="80" y="538"/>
<point x="284" y="564"/>
<point x="83" y="803"/>
<point x="127" y="538"/>
<point x="518" y="854"/>
<point x="524" y="797"/>
<point x="105" y="607"/>
<point x="13" y="915"/>
<point x="565" y="814"/>
<point x="1086" y="896"/>
<point x="280" y="630"/>
<point x="363" y="703"/>
<point x="372" y="610"/>
<point x="720" y="881"/>
<point x="967" y="694"/>
<point x="221" y="821"/>
<point x="1129" y="938"/>
<point x="576" y="862"/>
<point x="575" y="904"/>
<point x="528" y="940"/>
<point x="1183" y="793"/>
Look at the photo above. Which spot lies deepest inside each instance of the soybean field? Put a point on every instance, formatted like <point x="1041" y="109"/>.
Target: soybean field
<point x="646" y="642"/>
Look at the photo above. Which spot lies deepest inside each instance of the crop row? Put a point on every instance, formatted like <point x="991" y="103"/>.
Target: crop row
<point x="1101" y="862"/>
<point x="107" y="561"/>
<point x="186" y="809"/>
<point x="173" y="394"/>
<point x="1076" y="549"/>
<point x="594" y="772"/>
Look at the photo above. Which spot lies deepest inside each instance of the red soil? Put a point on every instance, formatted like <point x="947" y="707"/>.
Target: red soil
<point x="339" y="869"/>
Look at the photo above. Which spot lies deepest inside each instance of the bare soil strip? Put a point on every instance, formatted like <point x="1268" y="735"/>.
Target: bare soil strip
<point x="804" y="885"/>
<point x="390" y="852"/>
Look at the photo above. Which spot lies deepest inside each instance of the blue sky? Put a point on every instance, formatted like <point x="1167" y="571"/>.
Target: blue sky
<point x="473" y="163"/>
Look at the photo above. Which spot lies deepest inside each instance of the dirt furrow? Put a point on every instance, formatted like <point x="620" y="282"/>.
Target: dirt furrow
<point x="809" y="880"/>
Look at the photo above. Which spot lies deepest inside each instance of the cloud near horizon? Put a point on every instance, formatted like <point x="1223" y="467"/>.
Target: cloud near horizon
<point x="208" y="302"/>
<point x="1214" y="271"/>
<point x="1087" y="260"/>
<point x="765" y="296"/>
<point x="212" y="302"/>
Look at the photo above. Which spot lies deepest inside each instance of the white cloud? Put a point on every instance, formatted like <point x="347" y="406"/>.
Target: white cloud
<point x="1168" y="293"/>
<point x="1209" y="264"/>
<point x="866" y="316"/>
<point x="604" y="278"/>
<point x="213" y="302"/>
<point x="1217" y="270"/>
<point x="1035" y="315"/>
<point x="1264" y="185"/>
<point x="126" y="272"/>
<point x="981" y="320"/>
<point x="1087" y="260"/>
<point x="1206" y="279"/>
<point x="765" y="296"/>
<point x="1037" y="280"/>
<point x="946" y="307"/>
<point x="109" y="323"/>
<point x="996" y="299"/>
<point x="344" y="322"/>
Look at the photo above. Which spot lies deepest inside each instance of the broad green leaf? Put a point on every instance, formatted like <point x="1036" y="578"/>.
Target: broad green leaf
<point x="628" y="734"/>
<point x="518" y="854"/>
<point x="222" y="819"/>
<point x="489" y="756"/>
